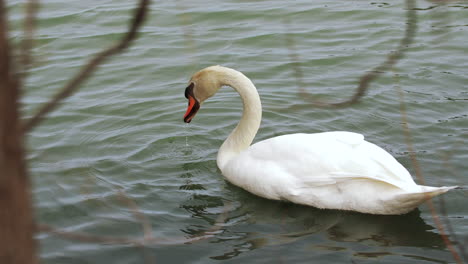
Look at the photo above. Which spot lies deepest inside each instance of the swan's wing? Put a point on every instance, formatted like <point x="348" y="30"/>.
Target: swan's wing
<point x="331" y="157"/>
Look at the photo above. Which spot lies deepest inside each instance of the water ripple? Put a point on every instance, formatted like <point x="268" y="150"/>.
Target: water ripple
<point x="123" y="131"/>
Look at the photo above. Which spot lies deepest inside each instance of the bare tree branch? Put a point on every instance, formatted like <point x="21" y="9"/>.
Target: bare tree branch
<point x="187" y="29"/>
<point x="29" y="28"/>
<point x="17" y="244"/>
<point x="294" y="58"/>
<point x="443" y="211"/>
<point x="82" y="237"/>
<point x="419" y="175"/>
<point x="89" y="69"/>
<point x="141" y="217"/>
<point x="140" y="242"/>
<point x="131" y="204"/>
<point x="371" y="75"/>
<point x="460" y="245"/>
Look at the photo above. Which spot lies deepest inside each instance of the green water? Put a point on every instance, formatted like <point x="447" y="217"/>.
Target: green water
<point x="123" y="130"/>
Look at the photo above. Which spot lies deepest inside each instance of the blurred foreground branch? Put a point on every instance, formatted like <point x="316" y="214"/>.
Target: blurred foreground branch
<point x="419" y="175"/>
<point x="17" y="244"/>
<point x="145" y="241"/>
<point x="366" y="79"/>
<point x="17" y="226"/>
<point x="364" y="83"/>
<point x="29" y="28"/>
<point x="90" y="68"/>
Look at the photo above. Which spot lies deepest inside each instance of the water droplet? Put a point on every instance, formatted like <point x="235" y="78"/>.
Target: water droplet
<point x="186" y="134"/>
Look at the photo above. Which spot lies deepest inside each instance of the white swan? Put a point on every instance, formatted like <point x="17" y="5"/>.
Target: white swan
<point x="333" y="170"/>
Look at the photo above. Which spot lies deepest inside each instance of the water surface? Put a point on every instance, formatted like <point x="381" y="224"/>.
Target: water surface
<point x="122" y="134"/>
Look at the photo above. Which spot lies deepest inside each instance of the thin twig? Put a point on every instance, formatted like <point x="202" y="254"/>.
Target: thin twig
<point x="137" y="213"/>
<point x="366" y="79"/>
<point x="188" y="33"/>
<point x="216" y="226"/>
<point x="148" y="256"/>
<point x="460" y="245"/>
<point x="452" y="234"/>
<point x="90" y="68"/>
<point x="83" y="237"/>
<point x="417" y="168"/>
<point x="29" y="27"/>
<point x="294" y="58"/>
<point x="89" y="238"/>
<point x="141" y="217"/>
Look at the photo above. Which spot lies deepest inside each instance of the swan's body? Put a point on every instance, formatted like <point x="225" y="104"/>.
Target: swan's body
<point x="333" y="170"/>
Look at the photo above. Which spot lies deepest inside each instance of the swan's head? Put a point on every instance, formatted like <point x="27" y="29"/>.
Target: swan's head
<point x="202" y="86"/>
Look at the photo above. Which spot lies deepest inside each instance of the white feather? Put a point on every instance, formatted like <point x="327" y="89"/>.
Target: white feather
<point x="334" y="170"/>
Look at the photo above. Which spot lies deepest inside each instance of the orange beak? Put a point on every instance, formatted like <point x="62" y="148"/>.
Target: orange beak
<point x="192" y="109"/>
<point x="193" y="104"/>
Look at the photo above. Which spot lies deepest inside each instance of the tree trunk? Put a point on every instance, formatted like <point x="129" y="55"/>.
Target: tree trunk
<point x="17" y="244"/>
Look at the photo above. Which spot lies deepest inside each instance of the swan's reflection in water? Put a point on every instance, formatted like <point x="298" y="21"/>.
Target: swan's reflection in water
<point x="254" y="223"/>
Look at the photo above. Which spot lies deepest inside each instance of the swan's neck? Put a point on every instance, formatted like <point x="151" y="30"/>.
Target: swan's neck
<point x="242" y="136"/>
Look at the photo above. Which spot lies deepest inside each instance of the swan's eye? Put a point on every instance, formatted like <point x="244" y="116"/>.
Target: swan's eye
<point x="189" y="90"/>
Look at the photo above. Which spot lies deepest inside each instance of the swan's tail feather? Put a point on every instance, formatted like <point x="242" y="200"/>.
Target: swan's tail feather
<point x="409" y="201"/>
<point x="430" y="192"/>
